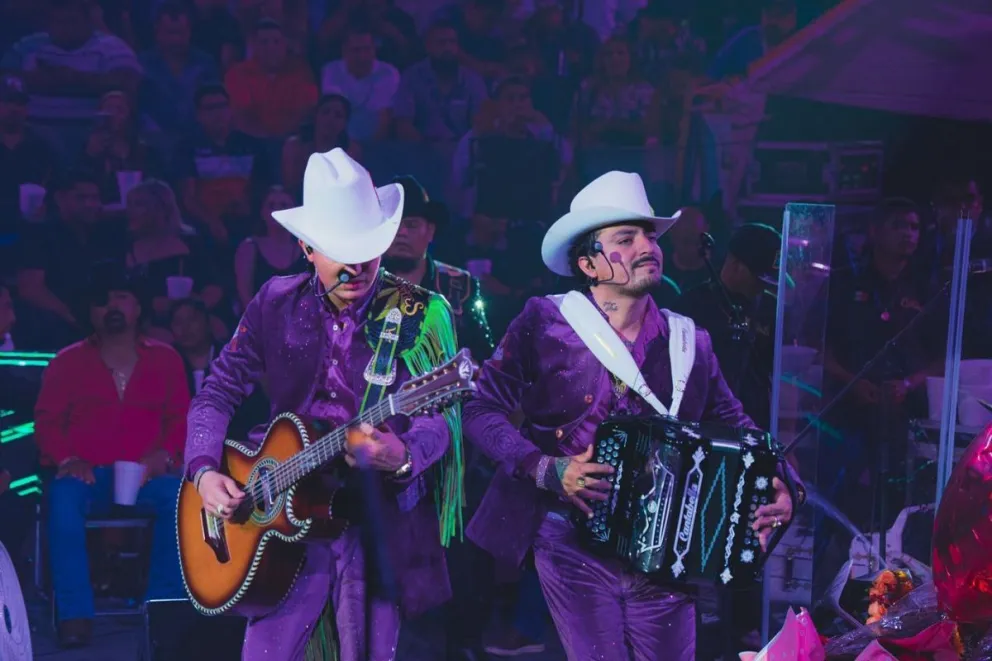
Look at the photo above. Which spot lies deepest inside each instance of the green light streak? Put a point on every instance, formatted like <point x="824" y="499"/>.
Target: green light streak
<point x="15" y="433"/>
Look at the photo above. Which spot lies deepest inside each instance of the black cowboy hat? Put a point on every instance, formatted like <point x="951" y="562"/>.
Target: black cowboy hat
<point x="417" y="203"/>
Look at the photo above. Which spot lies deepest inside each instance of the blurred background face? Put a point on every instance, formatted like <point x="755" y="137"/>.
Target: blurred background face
<point x="119" y="314"/>
<point x="515" y="102"/>
<point x="117" y="109"/>
<point x="488" y="229"/>
<point x="190" y="327"/>
<point x="897" y="236"/>
<point x="411" y="243"/>
<point x="358" y="53"/>
<point x="80" y="203"/>
<point x="276" y="200"/>
<point x="270" y="49"/>
<point x="685" y="233"/>
<point x="331" y="119"/>
<point x="214" y="113"/>
<point x="172" y="33"/>
<point x="362" y="276"/>
<point x="144" y="215"/>
<point x="616" y="59"/>
<point x="442" y="46"/>
<point x="7" y="317"/>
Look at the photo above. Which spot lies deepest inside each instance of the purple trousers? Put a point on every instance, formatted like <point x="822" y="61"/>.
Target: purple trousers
<point x="333" y="570"/>
<point x="604" y="612"/>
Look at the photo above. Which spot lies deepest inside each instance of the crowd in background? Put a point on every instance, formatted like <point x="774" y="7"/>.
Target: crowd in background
<point x="157" y="138"/>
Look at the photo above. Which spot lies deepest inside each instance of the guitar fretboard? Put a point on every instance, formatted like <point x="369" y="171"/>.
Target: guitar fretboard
<point x="326" y="448"/>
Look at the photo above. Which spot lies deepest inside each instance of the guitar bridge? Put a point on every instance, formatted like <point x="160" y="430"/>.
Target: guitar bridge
<point x="213" y="535"/>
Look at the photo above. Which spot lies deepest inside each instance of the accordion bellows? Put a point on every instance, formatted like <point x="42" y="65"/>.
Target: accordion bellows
<point x="684" y="499"/>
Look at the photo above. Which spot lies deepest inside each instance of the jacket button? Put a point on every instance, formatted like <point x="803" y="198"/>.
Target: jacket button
<point x="559" y="433"/>
<point x="588" y="399"/>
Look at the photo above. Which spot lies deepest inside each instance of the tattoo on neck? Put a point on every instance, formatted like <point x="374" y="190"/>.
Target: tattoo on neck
<point x="610" y="306"/>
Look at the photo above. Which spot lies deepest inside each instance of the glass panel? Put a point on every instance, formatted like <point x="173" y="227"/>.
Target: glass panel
<point x="797" y="391"/>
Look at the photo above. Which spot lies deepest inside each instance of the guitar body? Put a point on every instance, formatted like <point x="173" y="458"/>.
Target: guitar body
<point x="247" y="564"/>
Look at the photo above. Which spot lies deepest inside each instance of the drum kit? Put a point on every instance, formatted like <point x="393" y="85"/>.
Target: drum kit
<point x="15" y="632"/>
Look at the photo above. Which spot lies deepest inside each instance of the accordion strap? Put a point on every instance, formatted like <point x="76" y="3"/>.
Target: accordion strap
<point x="600" y="338"/>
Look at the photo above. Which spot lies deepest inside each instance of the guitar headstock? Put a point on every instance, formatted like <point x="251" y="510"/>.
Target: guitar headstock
<point x="439" y="388"/>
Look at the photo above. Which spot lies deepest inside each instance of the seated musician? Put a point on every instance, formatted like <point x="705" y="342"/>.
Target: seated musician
<point x="609" y="239"/>
<point x="321" y="346"/>
<point x="116" y="396"/>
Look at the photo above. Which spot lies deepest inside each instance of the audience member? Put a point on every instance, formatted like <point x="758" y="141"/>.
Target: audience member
<point x="174" y="70"/>
<point x="70" y="66"/>
<point x="483" y="47"/>
<point x="217" y="166"/>
<point x="328" y="129"/>
<point x="116" y="153"/>
<point x="197" y="345"/>
<point x="683" y="262"/>
<point x="273" y="91"/>
<point x="778" y="22"/>
<point x="438" y="97"/>
<point x="57" y="256"/>
<point x="394" y="30"/>
<point x="216" y="32"/>
<point x="25" y="157"/>
<point x="615" y="106"/>
<point x="369" y="85"/>
<point x="512" y="147"/>
<point x="271" y="251"/>
<point x="163" y="264"/>
<point x="116" y="396"/>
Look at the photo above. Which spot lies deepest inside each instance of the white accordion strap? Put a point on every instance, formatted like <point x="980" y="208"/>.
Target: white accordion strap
<point x="600" y="338"/>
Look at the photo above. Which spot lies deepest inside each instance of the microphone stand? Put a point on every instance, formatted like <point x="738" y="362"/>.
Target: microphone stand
<point x="869" y="366"/>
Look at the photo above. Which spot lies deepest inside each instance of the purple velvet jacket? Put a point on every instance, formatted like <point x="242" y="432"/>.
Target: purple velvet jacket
<point x="281" y="343"/>
<point x="565" y="392"/>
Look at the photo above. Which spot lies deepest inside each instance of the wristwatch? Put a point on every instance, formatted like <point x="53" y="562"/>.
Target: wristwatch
<point x="407" y="466"/>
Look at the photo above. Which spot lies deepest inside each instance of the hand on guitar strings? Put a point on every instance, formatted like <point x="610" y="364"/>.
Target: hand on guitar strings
<point x="577" y="477"/>
<point x="773" y="515"/>
<point x="379" y="449"/>
<point x="220" y="494"/>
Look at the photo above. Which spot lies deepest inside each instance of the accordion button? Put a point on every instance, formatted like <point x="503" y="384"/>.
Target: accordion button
<point x="588" y="399"/>
<point x="559" y="433"/>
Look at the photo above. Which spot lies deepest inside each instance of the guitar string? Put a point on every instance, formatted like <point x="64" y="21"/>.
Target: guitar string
<point x="297" y="467"/>
<point x="290" y="468"/>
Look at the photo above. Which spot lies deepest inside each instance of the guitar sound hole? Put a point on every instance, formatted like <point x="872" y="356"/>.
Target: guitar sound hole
<point x="264" y="495"/>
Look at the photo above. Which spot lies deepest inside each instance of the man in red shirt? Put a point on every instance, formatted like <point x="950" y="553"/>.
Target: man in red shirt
<point x="116" y="396"/>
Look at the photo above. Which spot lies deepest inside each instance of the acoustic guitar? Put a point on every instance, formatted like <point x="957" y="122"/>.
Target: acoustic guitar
<point x="248" y="564"/>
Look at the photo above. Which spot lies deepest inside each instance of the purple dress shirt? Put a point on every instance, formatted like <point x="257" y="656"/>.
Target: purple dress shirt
<point x="311" y="359"/>
<point x="565" y="393"/>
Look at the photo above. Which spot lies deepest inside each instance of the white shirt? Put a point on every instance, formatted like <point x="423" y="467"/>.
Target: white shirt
<point x="368" y="96"/>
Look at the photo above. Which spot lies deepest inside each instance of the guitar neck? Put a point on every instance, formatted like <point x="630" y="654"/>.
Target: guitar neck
<point x="320" y="452"/>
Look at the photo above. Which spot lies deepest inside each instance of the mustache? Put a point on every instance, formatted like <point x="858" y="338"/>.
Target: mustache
<point x="645" y="260"/>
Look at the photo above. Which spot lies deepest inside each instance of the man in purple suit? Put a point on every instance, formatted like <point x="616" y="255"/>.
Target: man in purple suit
<point x="327" y="346"/>
<point x="602" y="611"/>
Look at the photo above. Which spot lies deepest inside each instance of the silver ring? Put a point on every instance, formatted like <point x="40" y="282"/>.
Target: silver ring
<point x="778" y="523"/>
<point x="221" y="510"/>
<point x="581" y="482"/>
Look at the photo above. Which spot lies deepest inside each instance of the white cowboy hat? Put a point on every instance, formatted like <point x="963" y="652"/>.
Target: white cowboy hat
<point x="611" y="198"/>
<point x="344" y="216"/>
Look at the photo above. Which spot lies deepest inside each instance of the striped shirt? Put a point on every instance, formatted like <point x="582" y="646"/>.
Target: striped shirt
<point x="101" y="54"/>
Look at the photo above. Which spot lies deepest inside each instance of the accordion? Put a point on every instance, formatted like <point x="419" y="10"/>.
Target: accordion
<point x="683" y="499"/>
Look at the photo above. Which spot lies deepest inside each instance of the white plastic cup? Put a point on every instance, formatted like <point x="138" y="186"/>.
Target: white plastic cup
<point x="178" y="287"/>
<point x="127" y="180"/>
<point x="128" y="478"/>
<point x="935" y="396"/>
<point x="32" y="198"/>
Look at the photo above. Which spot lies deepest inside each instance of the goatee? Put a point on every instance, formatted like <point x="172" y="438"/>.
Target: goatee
<point x="399" y="265"/>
